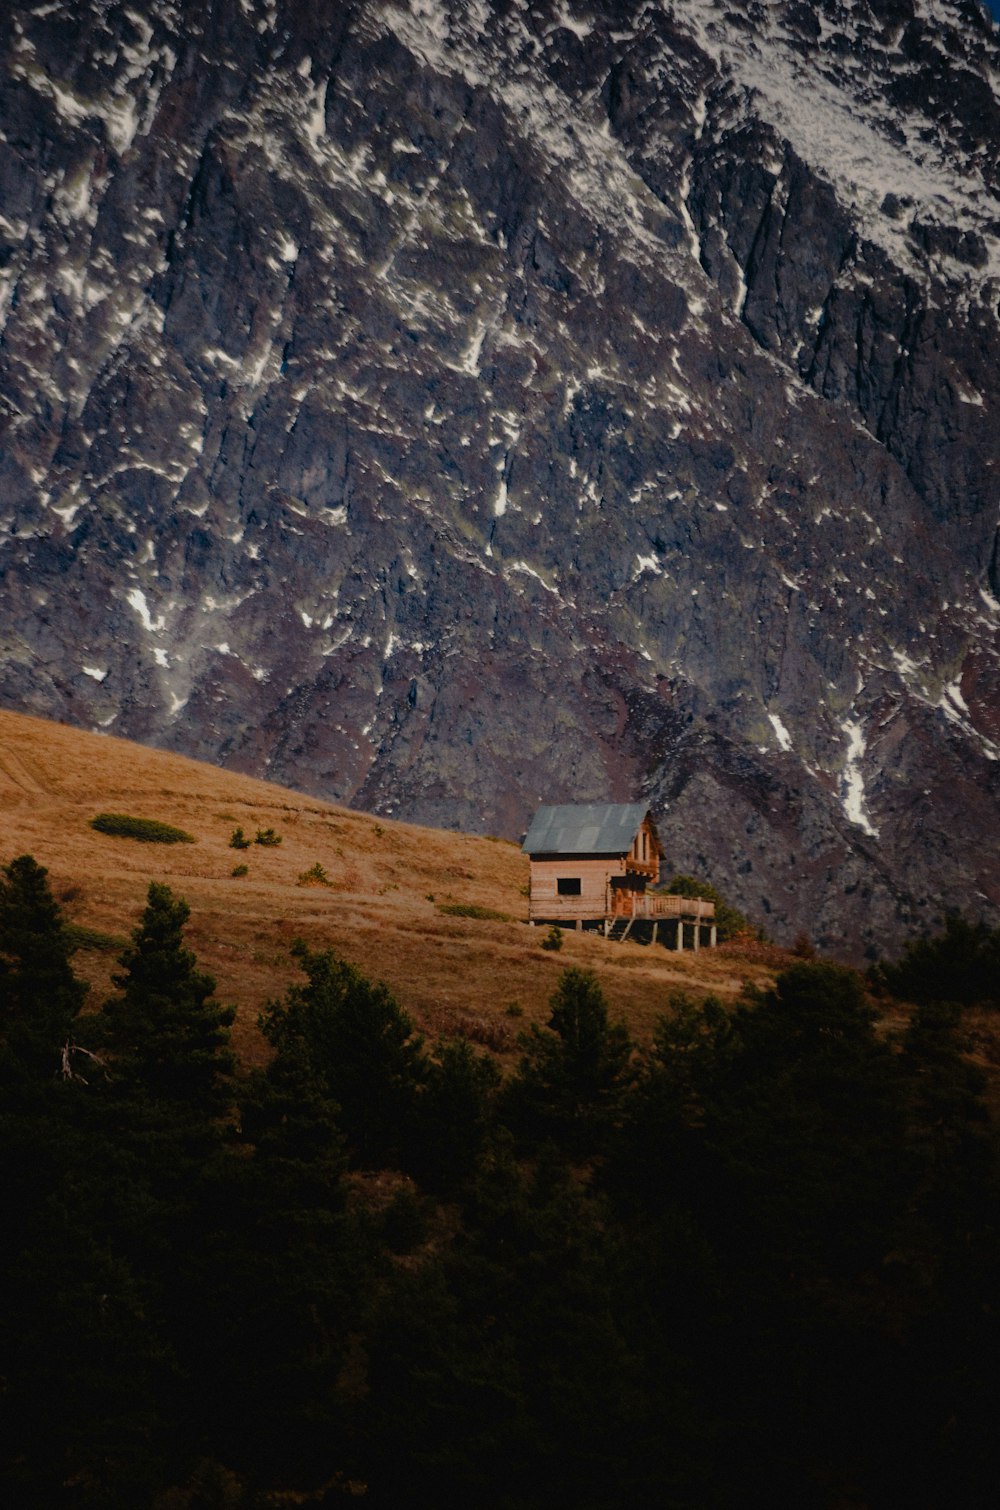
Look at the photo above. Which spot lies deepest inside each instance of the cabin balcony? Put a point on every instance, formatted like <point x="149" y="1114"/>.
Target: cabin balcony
<point x="655" y="905"/>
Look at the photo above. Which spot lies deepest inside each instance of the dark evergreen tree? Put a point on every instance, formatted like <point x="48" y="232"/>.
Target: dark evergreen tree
<point x="806" y="1119"/>
<point x="163" y="1109"/>
<point x="167" y="1034"/>
<point x="946" y="1267"/>
<point x="361" y="1047"/>
<point x="962" y="965"/>
<point x="82" y="1360"/>
<point x="498" y="1376"/>
<point x="573" y="1073"/>
<point x="281" y="1285"/>
<point x="660" y="1156"/>
<point x="457" y="1112"/>
<point x="39" y="995"/>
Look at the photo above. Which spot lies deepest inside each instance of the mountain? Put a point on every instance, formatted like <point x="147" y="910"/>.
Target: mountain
<point x="442" y="408"/>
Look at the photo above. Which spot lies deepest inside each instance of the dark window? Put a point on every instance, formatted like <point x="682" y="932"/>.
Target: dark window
<point x="568" y="886"/>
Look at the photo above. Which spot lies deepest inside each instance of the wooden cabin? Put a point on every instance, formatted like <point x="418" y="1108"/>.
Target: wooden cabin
<point x="598" y="863"/>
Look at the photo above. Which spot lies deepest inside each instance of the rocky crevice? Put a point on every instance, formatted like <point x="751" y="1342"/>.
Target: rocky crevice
<point x="445" y="421"/>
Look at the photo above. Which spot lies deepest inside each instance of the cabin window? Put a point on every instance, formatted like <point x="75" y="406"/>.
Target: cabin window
<point x="568" y="886"/>
<point x="645" y="845"/>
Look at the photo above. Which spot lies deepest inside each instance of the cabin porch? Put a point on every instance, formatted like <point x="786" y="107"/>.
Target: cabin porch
<point x="686" y="922"/>
<point x="662" y="910"/>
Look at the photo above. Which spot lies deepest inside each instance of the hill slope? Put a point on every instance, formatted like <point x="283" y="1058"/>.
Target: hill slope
<point x="381" y="910"/>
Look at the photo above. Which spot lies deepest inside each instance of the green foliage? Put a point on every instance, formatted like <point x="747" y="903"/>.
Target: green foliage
<point x="728" y="921"/>
<point x="962" y="965"/>
<point x="472" y="910"/>
<point x="360" y="1045"/>
<point x="239" y="840"/>
<point x="166" y="1033"/>
<point x="499" y="1373"/>
<point x="553" y="940"/>
<point x="692" y="1048"/>
<point x="755" y="1264"/>
<point x="314" y="876"/>
<point x="93" y="940"/>
<point x="240" y="870"/>
<point x="455" y="1115"/>
<point x="404" y="1224"/>
<point x="284" y="1283"/>
<point x="794" y="1101"/>
<point x="148" y="830"/>
<point x="268" y="838"/>
<point x="40" y="997"/>
<point x="573" y="1073"/>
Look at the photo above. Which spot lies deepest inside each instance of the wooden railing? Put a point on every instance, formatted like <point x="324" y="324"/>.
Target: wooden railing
<point x="654" y="905"/>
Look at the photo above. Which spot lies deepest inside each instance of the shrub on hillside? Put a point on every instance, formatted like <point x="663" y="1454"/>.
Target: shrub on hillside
<point x="149" y="830"/>
<point x="960" y="965"/>
<point x="268" y="838"/>
<point x="472" y="910"/>
<point x="81" y="937"/>
<point x="239" y="840"/>
<point x="728" y="921"/>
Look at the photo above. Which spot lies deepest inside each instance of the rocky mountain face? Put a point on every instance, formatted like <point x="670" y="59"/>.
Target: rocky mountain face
<point x="444" y="407"/>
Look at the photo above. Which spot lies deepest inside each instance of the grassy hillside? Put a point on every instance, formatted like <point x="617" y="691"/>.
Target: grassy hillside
<point x="381" y="908"/>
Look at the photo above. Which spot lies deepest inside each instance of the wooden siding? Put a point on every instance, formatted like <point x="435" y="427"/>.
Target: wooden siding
<point x="593" y="874"/>
<point x="645" y="853"/>
<point x="598" y="899"/>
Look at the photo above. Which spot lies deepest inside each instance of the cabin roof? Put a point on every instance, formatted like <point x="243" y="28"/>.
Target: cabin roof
<point x="594" y="828"/>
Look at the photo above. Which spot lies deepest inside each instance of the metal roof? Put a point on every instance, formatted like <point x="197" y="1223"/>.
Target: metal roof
<point x="596" y="828"/>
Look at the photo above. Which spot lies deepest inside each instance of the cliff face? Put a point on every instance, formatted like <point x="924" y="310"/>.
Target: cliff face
<point x="447" y="408"/>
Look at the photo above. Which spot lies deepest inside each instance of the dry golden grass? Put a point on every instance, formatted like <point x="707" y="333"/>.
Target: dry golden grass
<point x="380" y="910"/>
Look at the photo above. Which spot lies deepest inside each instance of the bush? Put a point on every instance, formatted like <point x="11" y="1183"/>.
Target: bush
<point x="239" y="840"/>
<point x="149" y="830"/>
<point x="554" y="938"/>
<point x="268" y="838"/>
<point x="314" y="876"/>
<point x="728" y="921"/>
<point x="470" y="910"/>
<point x="960" y="965"/>
<point x="79" y="937"/>
<point x="240" y="870"/>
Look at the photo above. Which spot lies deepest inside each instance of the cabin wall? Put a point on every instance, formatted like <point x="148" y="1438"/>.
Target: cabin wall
<point x="592" y="902"/>
<point x="646" y="853"/>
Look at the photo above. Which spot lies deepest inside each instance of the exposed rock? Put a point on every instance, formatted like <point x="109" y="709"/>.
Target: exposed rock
<point x="447" y="408"/>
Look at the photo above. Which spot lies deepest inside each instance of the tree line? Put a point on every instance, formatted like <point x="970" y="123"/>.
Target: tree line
<point x="754" y="1262"/>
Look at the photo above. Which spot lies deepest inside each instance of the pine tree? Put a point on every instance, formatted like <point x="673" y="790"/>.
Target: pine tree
<point x="962" y="965"/>
<point x="573" y="1075"/>
<point x="166" y="1032"/>
<point x="39" y="995"/>
<point x="457" y="1115"/>
<point x="75" y="1327"/>
<point x="360" y="1044"/>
